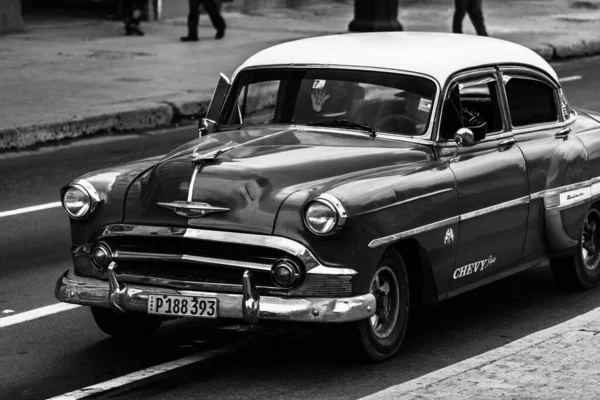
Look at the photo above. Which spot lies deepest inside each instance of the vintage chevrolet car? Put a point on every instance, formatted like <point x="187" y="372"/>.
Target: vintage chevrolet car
<point x="346" y="180"/>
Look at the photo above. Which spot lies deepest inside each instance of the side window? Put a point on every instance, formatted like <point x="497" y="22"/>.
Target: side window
<point x="472" y="103"/>
<point x="256" y="103"/>
<point x="530" y="101"/>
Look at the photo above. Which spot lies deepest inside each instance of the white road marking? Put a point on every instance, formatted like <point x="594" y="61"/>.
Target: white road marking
<point x="36" y="313"/>
<point x="570" y="78"/>
<point x="25" y="210"/>
<point x="155" y="370"/>
<point x="485" y="358"/>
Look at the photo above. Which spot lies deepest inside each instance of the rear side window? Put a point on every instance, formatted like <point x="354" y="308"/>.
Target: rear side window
<point x="530" y="101"/>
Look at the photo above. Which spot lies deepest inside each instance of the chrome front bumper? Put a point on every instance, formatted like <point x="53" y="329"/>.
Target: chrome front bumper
<point x="249" y="306"/>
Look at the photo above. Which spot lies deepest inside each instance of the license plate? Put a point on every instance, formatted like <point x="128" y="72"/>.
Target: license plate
<point x="185" y="306"/>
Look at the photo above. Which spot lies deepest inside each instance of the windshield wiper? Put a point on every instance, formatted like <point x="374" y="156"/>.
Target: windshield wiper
<point x="344" y="123"/>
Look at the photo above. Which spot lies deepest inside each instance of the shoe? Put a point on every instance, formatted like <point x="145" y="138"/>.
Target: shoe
<point x="133" y="30"/>
<point x="189" y="38"/>
<point x="220" y="33"/>
<point x="137" y="31"/>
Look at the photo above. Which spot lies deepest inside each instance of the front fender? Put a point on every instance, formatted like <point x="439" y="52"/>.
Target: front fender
<point x="383" y="209"/>
<point x="112" y="185"/>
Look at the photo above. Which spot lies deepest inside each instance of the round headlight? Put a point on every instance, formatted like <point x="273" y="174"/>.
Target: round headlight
<point x="77" y="202"/>
<point x="320" y="217"/>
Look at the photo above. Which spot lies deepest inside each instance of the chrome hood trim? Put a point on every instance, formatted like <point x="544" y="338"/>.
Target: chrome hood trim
<point x="192" y="209"/>
<point x="312" y="265"/>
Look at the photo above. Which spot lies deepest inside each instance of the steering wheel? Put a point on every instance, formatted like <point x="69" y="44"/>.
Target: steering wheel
<point x="397" y="124"/>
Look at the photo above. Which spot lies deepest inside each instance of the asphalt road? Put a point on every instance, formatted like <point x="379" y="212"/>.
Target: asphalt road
<point x="65" y="352"/>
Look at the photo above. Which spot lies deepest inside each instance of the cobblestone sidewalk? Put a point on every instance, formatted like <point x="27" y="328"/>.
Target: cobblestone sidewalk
<point x="561" y="362"/>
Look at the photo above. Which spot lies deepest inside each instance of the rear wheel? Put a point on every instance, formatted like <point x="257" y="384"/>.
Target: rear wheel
<point x="380" y="336"/>
<point x="125" y="326"/>
<point x="582" y="270"/>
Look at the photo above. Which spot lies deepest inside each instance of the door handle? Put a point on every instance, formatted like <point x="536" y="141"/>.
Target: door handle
<point x="563" y="132"/>
<point x="507" y="142"/>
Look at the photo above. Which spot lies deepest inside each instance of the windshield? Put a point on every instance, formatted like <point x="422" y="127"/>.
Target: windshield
<point x="376" y="101"/>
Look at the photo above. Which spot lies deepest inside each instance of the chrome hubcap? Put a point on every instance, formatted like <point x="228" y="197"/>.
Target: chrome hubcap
<point x="384" y="287"/>
<point x="590" y="251"/>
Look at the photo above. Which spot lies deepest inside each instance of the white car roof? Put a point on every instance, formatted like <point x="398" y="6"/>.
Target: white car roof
<point x="438" y="55"/>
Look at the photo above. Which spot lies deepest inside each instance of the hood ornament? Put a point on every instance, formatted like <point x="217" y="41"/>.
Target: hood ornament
<point x="198" y="157"/>
<point x="192" y="209"/>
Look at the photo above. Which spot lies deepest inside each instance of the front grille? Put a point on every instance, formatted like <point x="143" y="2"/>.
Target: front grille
<point x="191" y="272"/>
<point x="181" y="245"/>
<point x="158" y="261"/>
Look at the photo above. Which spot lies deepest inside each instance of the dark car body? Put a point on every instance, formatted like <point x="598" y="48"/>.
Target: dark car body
<point x="461" y="209"/>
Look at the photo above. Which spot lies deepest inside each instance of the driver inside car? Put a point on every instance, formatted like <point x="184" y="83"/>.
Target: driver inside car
<point x="456" y="116"/>
<point x="324" y="100"/>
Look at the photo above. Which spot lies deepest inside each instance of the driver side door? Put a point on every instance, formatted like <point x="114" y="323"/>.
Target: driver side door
<point x="491" y="178"/>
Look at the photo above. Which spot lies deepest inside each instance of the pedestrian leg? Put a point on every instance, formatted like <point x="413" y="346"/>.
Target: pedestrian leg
<point x="460" y="9"/>
<point x="192" y="21"/>
<point x="212" y="9"/>
<point x="132" y="10"/>
<point x="476" y="15"/>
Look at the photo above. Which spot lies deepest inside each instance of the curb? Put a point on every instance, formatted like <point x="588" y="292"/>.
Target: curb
<point x="149" y="115"/>
<point x="132" y="117"/>
<point x="583" y="48"/>
<point x="487" y="358"/>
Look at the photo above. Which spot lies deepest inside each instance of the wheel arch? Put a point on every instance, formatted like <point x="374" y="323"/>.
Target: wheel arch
<point x="416" y="259"/>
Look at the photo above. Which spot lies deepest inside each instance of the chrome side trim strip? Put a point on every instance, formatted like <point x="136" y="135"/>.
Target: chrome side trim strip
<point x="401" y="235"/>
<point x="423" y="196"/>
<point x="560" y="189"/>
<point x="137" y="256"/>
<point x="496" y="207"/>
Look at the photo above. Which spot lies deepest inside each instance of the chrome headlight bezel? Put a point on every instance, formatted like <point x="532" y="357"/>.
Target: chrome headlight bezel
<point x="337" y="209"/>
<point x="87" y="189"/>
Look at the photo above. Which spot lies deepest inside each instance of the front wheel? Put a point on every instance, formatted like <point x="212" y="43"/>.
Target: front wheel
<point x="582" y="270"/>
<point x="125" y="326"/>
<point x="380" y="336"/>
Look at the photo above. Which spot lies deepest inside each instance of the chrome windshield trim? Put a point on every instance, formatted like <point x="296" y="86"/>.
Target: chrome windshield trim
<point x="275" y="242"/>
<point x="401" y="235"/>
<point x="138" y="256"/>
<point x="427" y="137"/>
<point x="496" y="207"/>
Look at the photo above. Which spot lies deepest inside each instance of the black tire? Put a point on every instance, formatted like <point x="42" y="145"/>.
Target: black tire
<point x="582" y="270"/>
<point x="380" y="337"/>
<point x="125" y="326"/>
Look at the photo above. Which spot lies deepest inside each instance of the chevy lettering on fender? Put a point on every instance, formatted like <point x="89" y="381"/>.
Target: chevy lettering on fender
<point x="473" y="267"/>
<point x="335" y="181"/>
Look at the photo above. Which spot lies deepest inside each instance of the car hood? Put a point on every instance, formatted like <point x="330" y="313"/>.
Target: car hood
<point x="257" y="171"/>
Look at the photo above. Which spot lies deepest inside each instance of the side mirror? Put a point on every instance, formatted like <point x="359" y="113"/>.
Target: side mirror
<point x="205" y="126"/>
<point x="464" y="137"/>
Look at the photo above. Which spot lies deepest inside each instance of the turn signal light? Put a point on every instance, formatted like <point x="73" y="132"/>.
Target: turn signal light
<point x="101" y="256"/>
<point x="285" y="273"/>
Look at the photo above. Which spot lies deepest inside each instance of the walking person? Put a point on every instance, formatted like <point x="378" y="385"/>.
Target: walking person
<point x="132" y="10"/>
<point x="473" y="8"/>
<point x="213" y="11"/>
